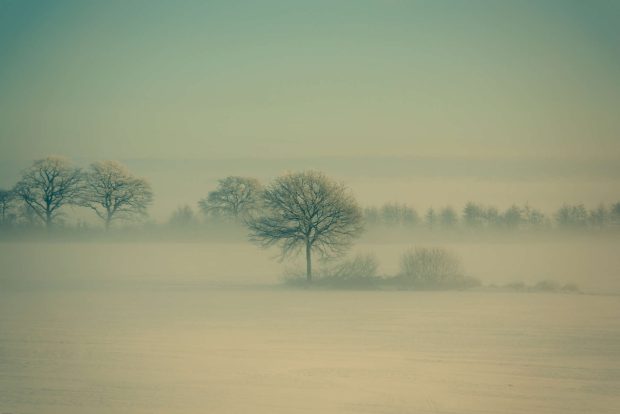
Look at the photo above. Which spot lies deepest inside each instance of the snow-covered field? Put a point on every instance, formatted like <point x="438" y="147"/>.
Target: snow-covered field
<point x="164" y="345"/>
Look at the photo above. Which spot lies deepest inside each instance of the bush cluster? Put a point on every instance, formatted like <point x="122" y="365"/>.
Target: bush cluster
<point x="420" y="269"/>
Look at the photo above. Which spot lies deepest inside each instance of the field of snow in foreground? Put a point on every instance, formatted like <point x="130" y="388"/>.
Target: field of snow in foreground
<point x="276" y="351"/>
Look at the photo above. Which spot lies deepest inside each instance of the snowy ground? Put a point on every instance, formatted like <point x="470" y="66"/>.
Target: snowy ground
<point x="272" y="351"/>
<point x="157" y="345"/>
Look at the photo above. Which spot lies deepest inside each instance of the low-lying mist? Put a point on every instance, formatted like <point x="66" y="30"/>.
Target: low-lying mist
<point x="118" y="261"/>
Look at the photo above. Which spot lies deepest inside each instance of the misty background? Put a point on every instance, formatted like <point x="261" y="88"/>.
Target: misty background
<point x="417" y="103"/>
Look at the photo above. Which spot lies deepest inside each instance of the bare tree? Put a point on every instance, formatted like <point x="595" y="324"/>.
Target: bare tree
<point x="183" y="217"/>
<point x="449" y="217"/>
<point x="394" y="214"/>
<point x="534" y="218"/>
<point x="599" y="217"/>
<point x="48" y="185"/>
<point x="113" y="192"/>
<point x="572" y="216"/>
<point x="430" y="217"/>
<point x="307" y="211"/>
<point x="433" y="268"/>
<point x="513" y="217"/>
<point x="7" y="198"/>
<point x="371" y="215"/>
<point x="427" y="265"/>
<point x="235" y="197"/>
<point x="473" y="215"/>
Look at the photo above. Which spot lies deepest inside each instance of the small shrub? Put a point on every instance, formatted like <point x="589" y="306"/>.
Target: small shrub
<point x="432" y="268"/>
<point x="571" y="288"/>
<point x="361" y="266"/>
<point x="359" y="272"/>
<point x="518" y="286"/>
<point x="543" y="286"/>
<point x="546" y="286"/>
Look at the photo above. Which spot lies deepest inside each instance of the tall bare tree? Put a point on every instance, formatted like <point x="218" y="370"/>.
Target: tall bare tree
<point x="113" y="192"/>
<point x="48" y="185"/>
<point x="235" y="197"/>
<point x="308" y="211"/>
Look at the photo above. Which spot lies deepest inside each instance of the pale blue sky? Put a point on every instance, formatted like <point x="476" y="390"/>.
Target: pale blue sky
<point x="200" y="79"/>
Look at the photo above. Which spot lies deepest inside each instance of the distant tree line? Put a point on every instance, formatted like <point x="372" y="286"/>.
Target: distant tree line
<point x="237" y="197"/>
<point x="475" y="216"/>
<point x="44" y="191"/>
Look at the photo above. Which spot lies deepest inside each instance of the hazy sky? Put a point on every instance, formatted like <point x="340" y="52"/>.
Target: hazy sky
<point x="204" y="79"/>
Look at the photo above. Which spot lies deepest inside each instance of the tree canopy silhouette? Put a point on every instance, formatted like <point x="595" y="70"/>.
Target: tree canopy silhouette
<point x="49" y="184"/>
<point x="234" y="197"/>
<point x="307" y="210"/>
<point x="113" y="192"/>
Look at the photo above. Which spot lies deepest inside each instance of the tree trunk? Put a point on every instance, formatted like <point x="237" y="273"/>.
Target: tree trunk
<point x="107" y="223"/>
<point x="48" y="220"/>
<point x="308" y="262"/>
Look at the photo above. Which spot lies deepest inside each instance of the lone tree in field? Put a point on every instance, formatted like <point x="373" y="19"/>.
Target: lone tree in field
<point x="307" y="211"/>
<point x="48" y="185"/>
<point x="113" y="192"/>
<point x="235" y="197"/>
